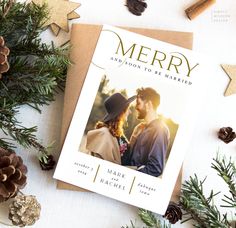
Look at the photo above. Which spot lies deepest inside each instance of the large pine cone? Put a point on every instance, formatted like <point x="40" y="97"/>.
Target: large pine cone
<point x="12" y="174"/>
<point x="4" y="52"/>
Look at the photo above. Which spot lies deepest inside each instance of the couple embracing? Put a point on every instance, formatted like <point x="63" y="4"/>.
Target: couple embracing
<point x="146" y="150"/>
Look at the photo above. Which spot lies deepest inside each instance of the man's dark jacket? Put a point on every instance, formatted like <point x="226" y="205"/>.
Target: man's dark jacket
<point x="149" y="151"/>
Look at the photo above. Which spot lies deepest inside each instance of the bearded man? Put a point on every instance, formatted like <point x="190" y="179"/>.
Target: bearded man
<point x="150" y="139"/>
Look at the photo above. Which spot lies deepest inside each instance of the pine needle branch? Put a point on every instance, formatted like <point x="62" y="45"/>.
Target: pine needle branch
<point x="227" y="171"/>
<point x="37" y="70"/>
<point x="197" y="206"/>
<point x="148" y="218"/>
<point x="200" y="208"/>
<point x="24" y="136"/>
<point x="132" y="225"/>
<point x="151" y="220"/>
<point x="4" y="143"/>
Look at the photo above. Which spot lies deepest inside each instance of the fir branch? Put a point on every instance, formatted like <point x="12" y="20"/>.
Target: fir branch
<point x="23" y="21"/>
<point x="4" y="143"/>
<point x="227" y="171"/>
<point x="197" y="206"/>
<point x="148" y="218"/>
<point x="35" y="83"/>
<point x="151" y="220"/>
<point x="37" y="70"/>
<point x="200" y="208"/>
<point x="7" y="7"/>
<point x="24" y="136"/>
<point x="132" y="225"/>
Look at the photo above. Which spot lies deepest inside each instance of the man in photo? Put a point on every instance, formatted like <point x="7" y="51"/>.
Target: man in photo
<point x="150" y="139"/>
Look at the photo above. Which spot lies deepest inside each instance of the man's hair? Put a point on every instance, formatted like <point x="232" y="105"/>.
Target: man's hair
<point x="149" y="94"/>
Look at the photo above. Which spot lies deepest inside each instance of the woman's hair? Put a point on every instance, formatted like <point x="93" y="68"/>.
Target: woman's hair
<point x="115" y="125"/>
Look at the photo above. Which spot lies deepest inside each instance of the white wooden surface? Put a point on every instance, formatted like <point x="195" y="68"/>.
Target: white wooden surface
<point x="215" y="36"/>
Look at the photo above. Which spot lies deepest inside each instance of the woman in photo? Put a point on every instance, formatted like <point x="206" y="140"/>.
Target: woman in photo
<point x="107" y="141"/>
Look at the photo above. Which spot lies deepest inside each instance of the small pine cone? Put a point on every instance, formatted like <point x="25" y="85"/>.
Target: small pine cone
<point x="173" y="213"/>
<point x="47" y="162"/>
<point x="226" y="134"/>
<point x="4" y="52"/>
<point x="24" y="210"/>
<point x="136" y="7"/>
<point x="12" y="174"/>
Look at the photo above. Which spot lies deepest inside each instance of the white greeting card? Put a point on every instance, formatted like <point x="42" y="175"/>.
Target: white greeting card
<point x="133" y="121"/>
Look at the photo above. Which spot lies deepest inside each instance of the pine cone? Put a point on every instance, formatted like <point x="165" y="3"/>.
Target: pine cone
<point x="173" y="213"/>
<point x="4" y="52"/>
<point x="24" y="210"/>
<point x="12" y="174"/>
<point x="136" y="7"/>
<point x="47" y="162"/>
<point x="226" y="134"/>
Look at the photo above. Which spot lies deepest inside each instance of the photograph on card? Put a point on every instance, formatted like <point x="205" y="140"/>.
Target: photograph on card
<point x="128" y="126"/>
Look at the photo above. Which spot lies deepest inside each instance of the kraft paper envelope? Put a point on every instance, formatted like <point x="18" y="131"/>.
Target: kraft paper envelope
<point x="83" y="42"/>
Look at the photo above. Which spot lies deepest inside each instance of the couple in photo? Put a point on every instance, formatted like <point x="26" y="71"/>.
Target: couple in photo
<point x="147" y="148"/>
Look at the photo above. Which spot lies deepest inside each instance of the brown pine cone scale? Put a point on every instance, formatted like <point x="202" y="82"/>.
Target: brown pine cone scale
<point x="3" y="49"/>
<point x="3" y="58"/>
<point x="3" y="177"/>
<point x="4" y="52"/>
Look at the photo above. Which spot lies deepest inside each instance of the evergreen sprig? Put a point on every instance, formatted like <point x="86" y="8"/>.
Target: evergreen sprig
<point x="150" y="220"/>
<point x="198" y="207"/>
<point x="227" y="171"/>
<point x="37" y="70"/>
<point x="201" y="209"/>
<point x="127" y="226"/>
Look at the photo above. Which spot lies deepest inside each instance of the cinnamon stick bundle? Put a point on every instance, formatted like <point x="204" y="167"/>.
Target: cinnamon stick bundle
<point x="197" y="8"/>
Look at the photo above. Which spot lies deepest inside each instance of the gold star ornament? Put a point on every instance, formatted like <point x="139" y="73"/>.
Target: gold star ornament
<point x="60" y="11"/>
<point x="230" y="70"/>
